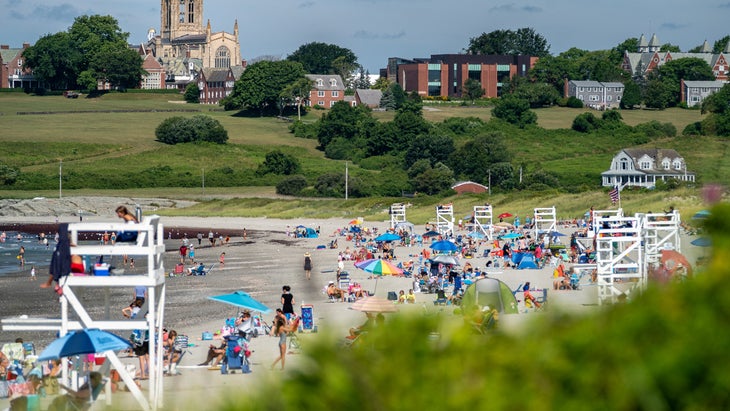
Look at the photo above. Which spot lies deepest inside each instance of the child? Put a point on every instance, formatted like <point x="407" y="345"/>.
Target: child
<point x="222" y="259"/>
<point x="32" y="273"/>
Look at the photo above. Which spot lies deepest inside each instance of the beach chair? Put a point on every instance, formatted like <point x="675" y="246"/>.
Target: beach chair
<point x="294" y="343"/>
<point x="236" y="358"/>
<point x="440" y="298"/>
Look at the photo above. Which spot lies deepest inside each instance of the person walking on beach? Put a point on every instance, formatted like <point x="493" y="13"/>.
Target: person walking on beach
<point x="21" y="256"/>
<point x="211" y="238"/>
<point x="200" y="238"/>
<point x="280" y="329"/>
<point x="287" y="302"/>
<point x="308" y="265"/>
<point x="222" y="259"/>
<point x="32" y="273"/>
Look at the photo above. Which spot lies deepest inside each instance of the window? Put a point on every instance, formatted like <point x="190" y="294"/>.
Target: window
<point x="222" y="57"/>
<point x="677" y="164"/>
<point x="624" y="165"/>
<point x="335" y="93"/>
<point x="593" y="97"/>
<point x="320" y="103"/>
<point x="609" y="97"/>
<point x="320" y="93"/>
<point x="332" y="103"/>
<point x="645" y="165"/>
<point x="665" y="164"/>
<point x="333" y="83"/>
<point x="320" y="82"/>
<point x="20" y="62"/>
<point x="580" y="88"/>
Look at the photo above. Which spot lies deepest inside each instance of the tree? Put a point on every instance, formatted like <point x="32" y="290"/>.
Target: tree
<point x="297" y="93"/>
<point x="586" y="122"/>
<point x="54" y="60"/>
<point x="616" y="55"/>
<point x="361" y="81"/>
<point x="260" y="86"/>
<point x="322" y="58"/>
<point x="277" y="162"/>
<point x="474" y="159"/>
<point x="192" y="93"/>
<point x="433" y="180"/>
<point x="537" y="94"/>
<point x="524" y="41"/>
<point x="393" y="97"/>
<point x="670" y="75"/>
<point x="90" y="35"/>
<point x="514" y="110"/>
<point x="432" y="148"/>
<point x="555" y="70"/>
<point x="342" y="121"/>
<point x="631" y="96"/>
<point x="721" y="45"/>
<point x="668" y="47"/>
<point x="8" y="175"/>
<point x="659" y="94"/>
<point x="719" y="102"/>
<point x="382" y="84"/>
<point x="473" y="90"/>
<point x="291" y="186"/>
<point x="118" y="65"/>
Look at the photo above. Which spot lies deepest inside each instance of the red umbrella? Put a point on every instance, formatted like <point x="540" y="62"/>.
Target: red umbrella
<point x="505" y="215"/>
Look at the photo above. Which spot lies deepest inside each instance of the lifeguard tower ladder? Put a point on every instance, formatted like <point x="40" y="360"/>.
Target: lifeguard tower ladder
<point x="149" y="246"/>
<point x="660" y="232"/>
<point x="545" y="221"/>
<point x="445" y="218"/>
<point x="619" y="259"/>
<point x="397" y="214"/>
<point x="483" y="221"/>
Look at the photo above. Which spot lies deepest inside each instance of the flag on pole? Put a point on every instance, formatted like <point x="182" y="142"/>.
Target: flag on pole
<point x="614" y="194"/>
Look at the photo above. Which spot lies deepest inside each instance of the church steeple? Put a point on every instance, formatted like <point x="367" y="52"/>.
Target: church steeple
<point x="235" y="28"/>
<point x="207" y="29"/>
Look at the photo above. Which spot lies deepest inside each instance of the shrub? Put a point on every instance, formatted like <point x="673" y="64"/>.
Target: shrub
<point x="586" y="122"/>
<point x="292" y="185"/>
<point x="174" y="130"/>
<point x="192" y="93"/>
<point x="693" y="129"/>
<point x="277" y="162"/>
<point x="8" y="175"/>
<point x="574" y="102"/>
<point x="655" y="129"/>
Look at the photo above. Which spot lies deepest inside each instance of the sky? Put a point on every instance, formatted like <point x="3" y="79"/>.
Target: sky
<point x="377" y="29"/>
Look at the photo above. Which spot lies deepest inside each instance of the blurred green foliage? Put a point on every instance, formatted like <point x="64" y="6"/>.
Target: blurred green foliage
<point x="665" y="350"/>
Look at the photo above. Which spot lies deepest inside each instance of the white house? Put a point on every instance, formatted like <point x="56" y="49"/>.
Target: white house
<point x="644" y="167"/>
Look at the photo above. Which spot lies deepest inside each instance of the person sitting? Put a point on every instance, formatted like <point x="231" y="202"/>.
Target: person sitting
<point x="530" y="300"/>
<point x="411" y="297"/>
<point x="133" y="309"/>
<point x="401" y="297"/>
<point x="79" y="398"/>
<point x="335" y="293"/>
<point x="244" y="324"/>
<point x="199" y="270"/>
<point x="357" y="291"/>
<point x="215" y="354"/>
<point x="172" y="353"/>
<point x="366" y="326"/>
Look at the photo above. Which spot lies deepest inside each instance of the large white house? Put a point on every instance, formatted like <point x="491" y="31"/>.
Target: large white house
<point x="642" y="167"/>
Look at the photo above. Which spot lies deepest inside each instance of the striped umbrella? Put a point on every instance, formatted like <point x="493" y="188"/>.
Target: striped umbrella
<point x="374" y="305"/>
<point x="379" y="267"/>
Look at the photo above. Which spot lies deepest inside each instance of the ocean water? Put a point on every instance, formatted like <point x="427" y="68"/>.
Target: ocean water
<point x="36" y="254"/>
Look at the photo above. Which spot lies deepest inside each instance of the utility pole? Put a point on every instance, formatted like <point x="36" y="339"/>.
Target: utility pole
<point x="60" y="179"/>
<point x="346" y="178"/>
<point x="203" y="181"/>
<point x="489" y="182"/>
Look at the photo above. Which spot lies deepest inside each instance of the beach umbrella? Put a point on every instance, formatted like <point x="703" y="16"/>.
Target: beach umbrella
<point x="445" y="259"/>
<point x="387" y="237"/>
<point x="374" y="305"/>
<point x="356" y="221"/>
<point x="405" y="225"/>
<point x="86" y="341"/>
<point x="701" y="242"/>
<point x="505" y="215"/>
<point x="431" y="233"/>
<point x="243" y="300"/>
<point x="701" y="215"/>
<point x="378" y="266"/>
<point x="444" y="245"/>
<point x="556" y="234"/>
<point x="510" y="236"/>
<point x="476" y="234"/>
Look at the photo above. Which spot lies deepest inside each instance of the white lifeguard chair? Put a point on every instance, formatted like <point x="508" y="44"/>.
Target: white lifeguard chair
<point x="660" y="232"/>
<point x="620" y="266"/>
<point x="545" y="222"/>
<point x="397" y="214"/>
<point x="483" y="221"/>
<point x="150" y="248"/>
<point x="445" y="218"/>
<point x="599" y="215"/>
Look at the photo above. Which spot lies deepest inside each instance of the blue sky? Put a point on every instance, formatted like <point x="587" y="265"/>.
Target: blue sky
<point x="377" y="29"/>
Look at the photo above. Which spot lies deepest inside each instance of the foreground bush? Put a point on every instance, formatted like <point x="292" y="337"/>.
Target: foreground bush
<point x="666" y="350"/>
<point x="176" y="130"/>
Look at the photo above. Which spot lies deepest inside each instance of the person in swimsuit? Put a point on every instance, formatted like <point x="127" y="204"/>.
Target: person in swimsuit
<point x="280" y="329"/>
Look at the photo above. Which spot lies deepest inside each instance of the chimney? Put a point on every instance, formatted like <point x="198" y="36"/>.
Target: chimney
<point x="4" y="47"/>
<point x="26" y="45"/>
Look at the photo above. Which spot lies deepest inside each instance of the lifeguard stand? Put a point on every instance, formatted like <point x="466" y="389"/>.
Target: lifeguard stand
<point x="619" y="259"/>
<point x="397" y="214"/>
<point x="483" y="220"/>
<point x="149" y="246"/>
<point x="545" y="221"/>
<point x="599" y="215"/>
<point x="445" y="218"/>
<point x="660" y="232"/>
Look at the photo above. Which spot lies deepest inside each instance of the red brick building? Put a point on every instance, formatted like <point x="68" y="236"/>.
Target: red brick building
<point x="12" y="73"/>
<point x="217" y="83"/>
<point x="327" y="90"/>
<point x="155" y="77"/>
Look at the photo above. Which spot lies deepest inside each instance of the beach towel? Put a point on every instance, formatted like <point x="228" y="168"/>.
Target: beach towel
<point x="61" y="258"/>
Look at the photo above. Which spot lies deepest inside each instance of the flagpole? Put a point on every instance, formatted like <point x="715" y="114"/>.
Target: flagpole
<point x="619" y="196"/>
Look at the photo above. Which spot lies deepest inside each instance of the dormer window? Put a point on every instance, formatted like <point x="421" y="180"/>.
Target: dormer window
<point x="665" y="164"/>
<point x="320" y="83"/>
<point x="677" y="164"/>
<point x="624" y="164"/>
<point x="645" y="165"/>
<point x="333" y="83"/>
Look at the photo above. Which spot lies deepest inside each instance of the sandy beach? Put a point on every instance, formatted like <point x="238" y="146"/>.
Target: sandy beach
<point x="260" y="265"/>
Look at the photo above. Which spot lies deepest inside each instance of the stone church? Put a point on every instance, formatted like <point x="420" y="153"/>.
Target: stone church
<point x="184" y="46"/>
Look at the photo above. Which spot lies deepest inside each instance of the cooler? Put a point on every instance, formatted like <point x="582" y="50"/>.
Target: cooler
<point x="101" y="269"/>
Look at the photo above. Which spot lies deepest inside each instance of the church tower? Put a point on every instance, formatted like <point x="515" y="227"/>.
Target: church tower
<point x="180" y="17"/>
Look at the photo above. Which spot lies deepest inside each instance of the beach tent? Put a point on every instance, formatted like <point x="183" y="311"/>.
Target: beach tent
<point x="488" y="292"/>
<point x="306" y="232"/>
<point x="527" y="262"/>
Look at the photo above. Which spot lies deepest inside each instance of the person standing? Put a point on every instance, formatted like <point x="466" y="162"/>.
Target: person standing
<point x="245" y="235"/>
<point x="183" y="253"/>
<point x="200" y="238"/>
<point x="32" y="273"/>
<point x="21" y="256"/>
<point x="211" y="238"/>
<point x="222" y="259"/>
<point x="280" y="329"/>
<point x="287" y="302"/>
<point x="308" y="265"/>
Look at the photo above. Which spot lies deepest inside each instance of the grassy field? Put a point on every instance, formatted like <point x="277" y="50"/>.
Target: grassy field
<point x="91" y="135"/>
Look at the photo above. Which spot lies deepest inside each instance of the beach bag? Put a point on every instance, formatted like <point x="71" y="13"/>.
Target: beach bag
<point x="126" y="236"/>
<point x="207" y="336"/>
<point x="181" y="343"/>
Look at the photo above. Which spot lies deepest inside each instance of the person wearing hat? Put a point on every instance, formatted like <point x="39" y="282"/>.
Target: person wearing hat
<point x="308" y="265"/>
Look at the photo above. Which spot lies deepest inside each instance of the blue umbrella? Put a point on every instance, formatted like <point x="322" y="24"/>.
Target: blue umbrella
<point x="476" y="234"/>
<point x="444" y="245"/>
<point x="701" y="215"/>
<point x="556" y="234"/>
<point x="243" y="300"/>
<point x="86" y="341"/>
<point x="701" y="242"/>
<point x="387" y="237"/>
<point x="431" y="233"/>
